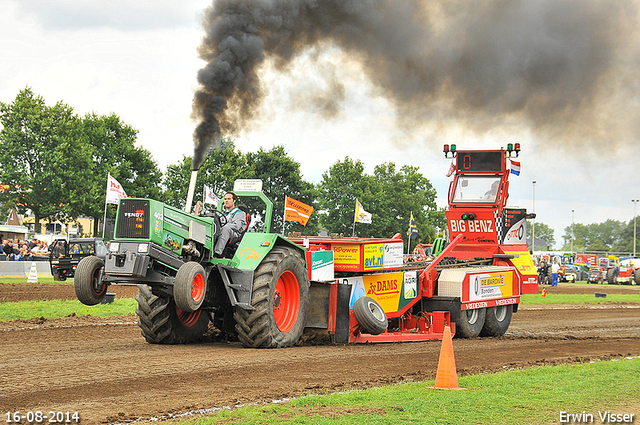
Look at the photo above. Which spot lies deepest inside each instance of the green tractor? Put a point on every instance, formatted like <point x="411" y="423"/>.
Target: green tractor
<point x="260" y="293"/>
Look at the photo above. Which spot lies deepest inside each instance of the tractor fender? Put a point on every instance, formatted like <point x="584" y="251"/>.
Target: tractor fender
<point x="254" y="247"/>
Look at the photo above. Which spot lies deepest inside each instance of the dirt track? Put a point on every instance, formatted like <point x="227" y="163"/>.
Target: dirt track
<point x="104" y="369"/>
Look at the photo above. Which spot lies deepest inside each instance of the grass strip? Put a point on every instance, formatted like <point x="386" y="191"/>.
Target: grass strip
<point x="49" y="280"/>
<point x="63" y="308"/>
<point x="532" y="396"/>
<point x="550" y="298"/>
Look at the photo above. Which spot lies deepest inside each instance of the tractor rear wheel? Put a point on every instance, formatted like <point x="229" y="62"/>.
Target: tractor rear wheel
<point x="370" y="315"/>
<point x="470" y="323"/>
<point x="280" y="297"/>
<point x="87" y="284"/>
<point x="636" y="276"/>
<point x="497" y="320"/>
<point x="162" y="322"/>
<point x="190" y="287"/>
<point x="612" y="274"/>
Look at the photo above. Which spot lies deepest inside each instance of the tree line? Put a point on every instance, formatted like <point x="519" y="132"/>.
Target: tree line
<point x="54" y="164"/>
<point x="610" y="236"/>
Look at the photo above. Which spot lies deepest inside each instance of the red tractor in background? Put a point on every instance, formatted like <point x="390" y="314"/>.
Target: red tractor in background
<point x="627" y="272"/>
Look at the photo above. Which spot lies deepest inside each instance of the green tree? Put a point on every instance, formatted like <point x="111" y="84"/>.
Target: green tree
<point x="112" y="146"/>
<point x="595" y="236"/>
<point x="625" y="243"/>
<point x="390" y="195"/>
<point x="43" y="161"/>
<point x="341" y="185"/>
<point x="543" y="231"/>
<point x="281" y="177"/>
<point x="279" y="173"/>
<point x="219" y="169"/>
<point x="399" y="194"/>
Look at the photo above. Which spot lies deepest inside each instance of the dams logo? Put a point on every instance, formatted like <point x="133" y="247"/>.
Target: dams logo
<point x="383" y="287"/>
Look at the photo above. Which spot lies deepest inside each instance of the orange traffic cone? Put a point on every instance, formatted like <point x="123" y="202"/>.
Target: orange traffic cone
<point x="446" y="376"/>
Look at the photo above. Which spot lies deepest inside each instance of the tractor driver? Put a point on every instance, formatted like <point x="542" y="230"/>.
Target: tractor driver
<point x="236" y="223"/>
<point x="491" y="194"/>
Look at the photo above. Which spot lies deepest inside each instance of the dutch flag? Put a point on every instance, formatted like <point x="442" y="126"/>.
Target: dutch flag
<point x="515" y="168"/>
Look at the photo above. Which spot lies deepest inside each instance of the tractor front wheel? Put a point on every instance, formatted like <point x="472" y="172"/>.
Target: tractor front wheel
<point x="470" y="323"/>
<point x="280" y="297"/>
<point x="497" y="320"/>
<point x="162" y="322"/>
<point x="87" y="283"/>
<point x="190" y="287"/>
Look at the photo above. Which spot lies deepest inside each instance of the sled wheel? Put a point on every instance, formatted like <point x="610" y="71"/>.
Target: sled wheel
<point x="162" y="322"/>
<point x="497" y="320"/>
<point x="470" y="323"/>
<point x="189" y="287"/>
<point x="280" y="297"/>
<point x="370" y="315"/>
<point x="89" y="288"/>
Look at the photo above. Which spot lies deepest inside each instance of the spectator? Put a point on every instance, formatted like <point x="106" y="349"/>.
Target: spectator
<point x="555" y="268"/>
<point x="25" y="253"/>
<point x="7" y="248"/>
<point x="15" y="254"/>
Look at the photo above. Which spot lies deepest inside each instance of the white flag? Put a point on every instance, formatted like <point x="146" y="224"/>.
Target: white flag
<point x="361" y="215"/>
<point x="115" y="192"/>
<point x="209" y="196"/>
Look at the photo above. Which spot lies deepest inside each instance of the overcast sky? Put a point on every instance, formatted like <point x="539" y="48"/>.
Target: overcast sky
<point x="139" y="60"/>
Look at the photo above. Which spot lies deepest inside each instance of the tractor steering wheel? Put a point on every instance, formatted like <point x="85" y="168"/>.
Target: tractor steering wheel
<point x="221" y="217"/>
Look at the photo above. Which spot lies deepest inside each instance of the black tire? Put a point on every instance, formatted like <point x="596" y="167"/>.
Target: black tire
<point x="611" y="275"/>
<point x="58" y="277"/>
<point x="280" y="297"/>
<point x="550" y="276"/>
<point x="190" y="287"/>
<point x="470" y="323"/>
<point x="89" y="289"/>
<point x="497" y="320"/>
<point x="370" y="315"/>
<point x="636" y="276"/>
<point x="161" y="322"/>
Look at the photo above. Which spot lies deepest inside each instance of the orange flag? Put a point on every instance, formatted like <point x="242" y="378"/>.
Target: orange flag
<point x="296" y="211"/>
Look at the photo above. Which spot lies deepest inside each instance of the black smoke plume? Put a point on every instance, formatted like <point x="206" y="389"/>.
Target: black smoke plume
<point x="567" y="70"/>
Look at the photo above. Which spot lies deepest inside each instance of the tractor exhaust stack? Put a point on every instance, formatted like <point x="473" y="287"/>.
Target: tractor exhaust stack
<point x="192" y="189"/>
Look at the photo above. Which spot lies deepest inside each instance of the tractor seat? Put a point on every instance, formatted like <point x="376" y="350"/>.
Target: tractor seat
<point x="233" y="243"/>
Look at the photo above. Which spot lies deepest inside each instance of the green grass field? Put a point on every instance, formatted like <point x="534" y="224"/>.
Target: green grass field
<point x="63" y="308"/>
<point x="536" y="395"/>
<point x="534" y="299"/>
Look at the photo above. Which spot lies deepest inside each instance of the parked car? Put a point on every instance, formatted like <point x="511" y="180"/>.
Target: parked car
<point x="65" y="255"/>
